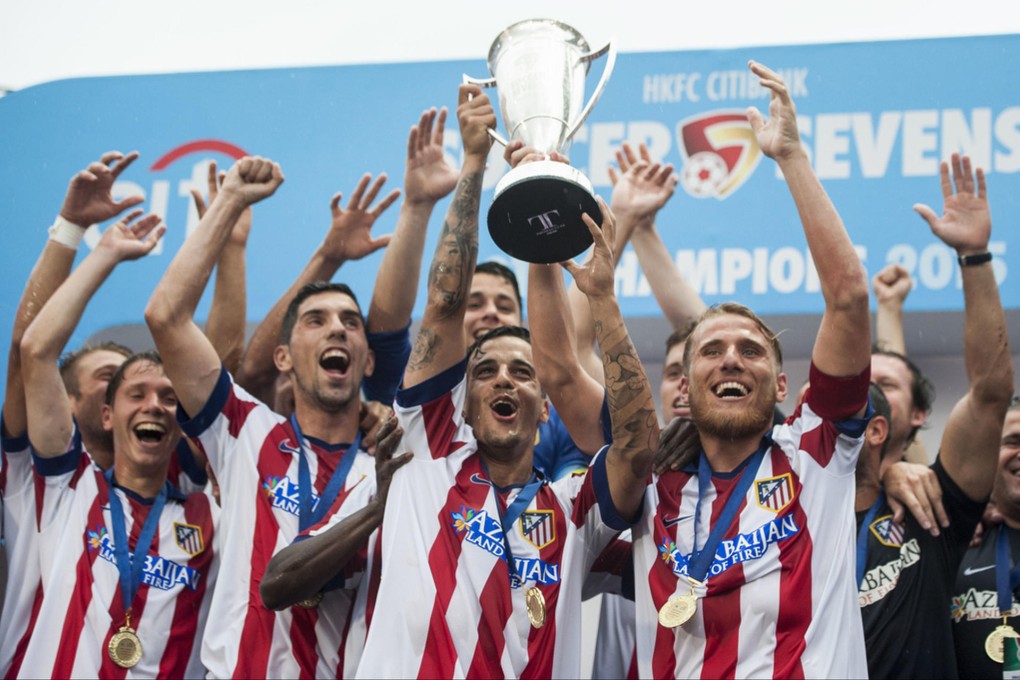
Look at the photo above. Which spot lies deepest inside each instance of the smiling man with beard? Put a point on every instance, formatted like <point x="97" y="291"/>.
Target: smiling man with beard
<point x="744" y="560"/>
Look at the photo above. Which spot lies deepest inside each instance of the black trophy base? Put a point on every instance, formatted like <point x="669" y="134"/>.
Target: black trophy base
<point x="536" y="214"/>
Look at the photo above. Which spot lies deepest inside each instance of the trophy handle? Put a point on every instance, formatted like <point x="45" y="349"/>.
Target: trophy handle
<point x="610" y="50"/>
<point x="485" y="83"/>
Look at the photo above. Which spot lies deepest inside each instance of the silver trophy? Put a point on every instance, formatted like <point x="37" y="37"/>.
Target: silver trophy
<point x="540" y="66"/>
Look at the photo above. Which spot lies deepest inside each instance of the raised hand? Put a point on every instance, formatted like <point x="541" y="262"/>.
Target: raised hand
<point x="778" y="138"/>
<point x="476" y="117"/>
<point x="242" y="228"/>
<point x="88" y="200"/>
<point x="966" y="222"/>
<point x="349" y="236"/>
<point x="596" y="277"/>
<point x="892" y="284"/>
<point x="642" y="187"/>
<point x="125" y="241"/>
<point x="252" y="179"/>
<point x="428" y="178"/>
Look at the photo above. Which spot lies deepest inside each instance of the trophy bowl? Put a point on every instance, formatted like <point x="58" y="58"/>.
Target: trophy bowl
<point x="540" y="66"/>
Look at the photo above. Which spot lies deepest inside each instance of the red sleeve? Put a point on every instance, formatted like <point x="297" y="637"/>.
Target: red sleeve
<point x="835" y="398"/>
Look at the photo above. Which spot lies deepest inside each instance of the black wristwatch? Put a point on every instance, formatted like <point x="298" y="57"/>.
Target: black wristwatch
<point x="975" y="259"/>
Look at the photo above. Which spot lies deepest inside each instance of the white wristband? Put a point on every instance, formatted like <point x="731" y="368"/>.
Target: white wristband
<point x="66" y="233"/>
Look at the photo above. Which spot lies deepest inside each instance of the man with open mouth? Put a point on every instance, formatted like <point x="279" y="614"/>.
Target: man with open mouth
<point x="113" y="603"/>
<point x="277" y="475"/>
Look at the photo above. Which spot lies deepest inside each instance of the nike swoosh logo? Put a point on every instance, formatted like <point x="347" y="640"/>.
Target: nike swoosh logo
<point x="676" y="520"/>
<point x="969" y="571"/>
<point x="477" y="479"/>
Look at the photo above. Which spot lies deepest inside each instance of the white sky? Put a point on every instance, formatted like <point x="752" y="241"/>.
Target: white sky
<point x="43" y="40"/>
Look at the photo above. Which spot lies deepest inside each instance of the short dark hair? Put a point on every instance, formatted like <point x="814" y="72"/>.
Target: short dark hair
<point x="505" y="273"/>
<point x="68" y="362"/>
<point x="736" y="309"/>
<point x="499" y="332"/>
<point x="882" y="408"/>
<point x="307" y="291"/>
<point x="680" y="335"/>
<point x="922" y="391"/>
<point x="150" y="357"/>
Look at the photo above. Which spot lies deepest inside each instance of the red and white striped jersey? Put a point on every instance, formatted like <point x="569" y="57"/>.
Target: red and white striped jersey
<point x="445" y="606"/>
<point x="83" y="606"/>
<point x="254" y="453"/>
<point x="23" y="593"/>
<point x="780" y="599"/>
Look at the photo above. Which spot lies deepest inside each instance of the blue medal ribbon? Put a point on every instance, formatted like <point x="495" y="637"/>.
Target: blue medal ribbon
<point x="513" y="513"/>
<point x="131" y="565"/>
<point x="701" y="560"/>
<point x="862" y="536"/>
<point x="307" y="515"/>
<point x="1007" y="578"/>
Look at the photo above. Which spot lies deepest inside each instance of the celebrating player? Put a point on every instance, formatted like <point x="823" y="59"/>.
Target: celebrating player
<point x="763" y="522"/>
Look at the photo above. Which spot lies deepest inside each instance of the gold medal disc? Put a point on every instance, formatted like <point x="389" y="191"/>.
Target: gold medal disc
<point x="535" y="601"/>
<point x="312" y="602"/>
<point x="125" y="649"/>
<point x="994" y="642"/>
<point x="678" y="610"/>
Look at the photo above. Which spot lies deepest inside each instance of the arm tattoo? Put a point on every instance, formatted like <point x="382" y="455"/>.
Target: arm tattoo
<point x="424" y="349"/>
<point x="453" y="265"/>
<point x="635" y="427"/>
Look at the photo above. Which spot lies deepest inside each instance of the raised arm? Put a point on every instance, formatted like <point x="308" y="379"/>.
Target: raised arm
<point x="349" y="238"/>
<point x="51" y="425"/>
<point x="892" y="286"/>
<point x="440" y="340"/>
<point x="970" y="441"/>
<point x="189" y="358"/>
<point x="635" y="427"/>
<point x="576" y="395"/>
<point x="428" y="179"/>
<point x="88" y="201"/>
<point x="641" y="190"/>
<point x="843" y="345"/>
<point x="228" y="312"/>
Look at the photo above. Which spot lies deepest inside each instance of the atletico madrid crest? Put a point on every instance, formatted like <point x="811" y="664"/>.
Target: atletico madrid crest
<point x="538" y="527"/>
<point x="774" y="493"/>
<point x="189" y="538"/>
<point x="887" y="532"/>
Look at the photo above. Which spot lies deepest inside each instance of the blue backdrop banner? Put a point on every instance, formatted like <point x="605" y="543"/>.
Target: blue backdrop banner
<point x="877" y="119"/>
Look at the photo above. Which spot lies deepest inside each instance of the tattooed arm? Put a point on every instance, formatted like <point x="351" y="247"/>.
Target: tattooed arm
<point x="631" y="407"/>
<point x="440" y="342"/>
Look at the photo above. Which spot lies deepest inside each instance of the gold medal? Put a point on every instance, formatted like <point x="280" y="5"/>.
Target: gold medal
<point x="535" y="601"/>
<point x="125" y="649"/>
<point x="678" y="610"/>
<point x="311" y="602"/>
<point x="994" y="641"/>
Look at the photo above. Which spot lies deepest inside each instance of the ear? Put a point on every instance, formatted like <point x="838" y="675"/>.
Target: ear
<point x="370" y="364"/>
<point x="917" y="417"/>
<point x="780" y="388"/>
<point x="543" y="416"/>
<point x="107" y="416"/>
<point x="282" y="359"/>
<point x="877" y="432"/>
